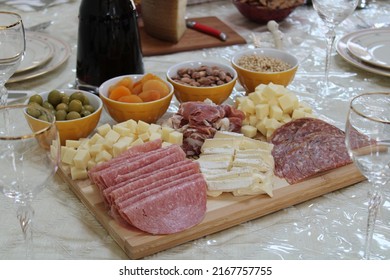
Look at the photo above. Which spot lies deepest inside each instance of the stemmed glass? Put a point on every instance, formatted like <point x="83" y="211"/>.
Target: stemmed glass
<point x="368" y="143"/>
<point x="29" y="155"/>
<point x="332" y="12"/>
<point x="12" y="48"/>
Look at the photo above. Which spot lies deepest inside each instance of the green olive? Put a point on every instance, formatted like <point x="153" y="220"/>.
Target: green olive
<point x="89" y="108"/>
<point x="61" y="115"/>
<point x="33" y="112"/>
<point x="36" y="98"/>
<point x="62" y="106"/>
<point x="65" y="99"/>
<point x="43" y="117"/>
<point x="47" y="105"/>
<point x="78" y="95"/>
<point x="54" y="97"/>
<point x="73" y="115"/>
<point x="75" y="105"/>
<point x="85" y="113"/>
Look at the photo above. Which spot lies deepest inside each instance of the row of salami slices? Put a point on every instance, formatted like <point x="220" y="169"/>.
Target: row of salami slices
<point x="153" y="188"/>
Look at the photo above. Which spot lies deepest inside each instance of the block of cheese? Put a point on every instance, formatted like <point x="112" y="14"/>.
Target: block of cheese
<point x="164" y="20"/>
<point x="232" y="162"/>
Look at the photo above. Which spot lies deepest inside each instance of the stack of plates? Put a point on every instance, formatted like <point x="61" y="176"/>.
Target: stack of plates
<point x="367" y="49"/>
<point x="44" y="54"/>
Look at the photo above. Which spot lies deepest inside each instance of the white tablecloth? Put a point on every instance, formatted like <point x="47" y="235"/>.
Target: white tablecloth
<point x="328" y="227"/>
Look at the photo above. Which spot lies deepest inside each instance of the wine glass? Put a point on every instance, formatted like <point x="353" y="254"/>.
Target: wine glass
<point x="368" y="143"/>
<point x="29" y="155"/>
<point x="12" y="48"/>
<point x="332" y="12"/>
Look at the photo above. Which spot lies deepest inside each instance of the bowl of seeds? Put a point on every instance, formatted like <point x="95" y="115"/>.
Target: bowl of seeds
<point x="264" y="66"/>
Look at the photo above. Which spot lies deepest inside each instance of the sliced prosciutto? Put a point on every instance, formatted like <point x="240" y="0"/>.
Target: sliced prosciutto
<point x="201" y="120"/>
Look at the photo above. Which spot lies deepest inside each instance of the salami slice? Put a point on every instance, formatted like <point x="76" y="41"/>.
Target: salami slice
<point x="307" y="146"/>
<point x="172" y="210"/>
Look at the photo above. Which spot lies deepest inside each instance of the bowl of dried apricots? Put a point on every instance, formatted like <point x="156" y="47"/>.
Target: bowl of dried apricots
<point x="138" y="97"/>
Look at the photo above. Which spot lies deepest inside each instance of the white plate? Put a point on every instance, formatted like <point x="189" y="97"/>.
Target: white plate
<point x="61" y="54"/>
<point x="372" y="46"/>
<point x="38" y="52"/>
<point x="343" y="51"/>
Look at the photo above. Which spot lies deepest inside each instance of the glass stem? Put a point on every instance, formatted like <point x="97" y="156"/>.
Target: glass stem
<point x="3" y="95"/>
<point x="25" y="214"/>
<point x="330" y="38"/>
<point x="375" y="201"/>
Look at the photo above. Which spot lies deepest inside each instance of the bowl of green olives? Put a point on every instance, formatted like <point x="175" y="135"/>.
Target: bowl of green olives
<point x="77" y="112"/>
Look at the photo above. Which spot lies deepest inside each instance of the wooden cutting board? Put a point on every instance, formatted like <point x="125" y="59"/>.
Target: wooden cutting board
<point x="191" y="40"/>
<point x="223" y="212"/>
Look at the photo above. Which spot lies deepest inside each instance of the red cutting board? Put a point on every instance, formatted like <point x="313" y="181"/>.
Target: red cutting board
<point x="223" y="212"/>
<point x="191" y="40"/>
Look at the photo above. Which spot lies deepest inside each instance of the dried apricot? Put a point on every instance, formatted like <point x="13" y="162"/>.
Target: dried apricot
<point x="149" y="95"/>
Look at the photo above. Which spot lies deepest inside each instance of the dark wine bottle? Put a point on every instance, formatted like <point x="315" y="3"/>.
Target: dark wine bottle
<point x="108" y="42"/>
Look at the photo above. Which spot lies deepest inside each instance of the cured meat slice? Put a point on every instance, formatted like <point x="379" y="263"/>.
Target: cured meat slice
<point x="131" y="152"/>
<point x="307" y="146"/>
<point x="157" y="175"/>
<point x="170" y="211"/>
<point x="110" y="177"/>
<point x="145" y="171"/>
<point x="138" y="194"/>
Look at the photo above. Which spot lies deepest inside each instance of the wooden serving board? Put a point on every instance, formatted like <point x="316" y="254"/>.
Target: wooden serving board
<point x="191" y="40"/>
<point x="223" y="212"/>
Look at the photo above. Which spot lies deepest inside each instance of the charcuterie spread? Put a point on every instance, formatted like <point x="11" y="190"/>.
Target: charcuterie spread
<point x="160" y="178"/>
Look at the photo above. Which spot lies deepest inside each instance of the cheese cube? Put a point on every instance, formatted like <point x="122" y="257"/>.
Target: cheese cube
<point x="67" y="155"/>
<point x="248" y="106"/>
<point x="142" y="127"/>
<point x="118" y="148"/>
<point x="121" y="130"/>
<point x="249" y="131"/>
<point x="272" y="124"/>
<point x="95" y="138"/>
<point x="165" y="131"/>
<point x="144" y="136"/>
<point x="112" y="136"/>
<point x="78" y="173"/>
<point x="72" y="143"/>
<point x="132" y="125"/>
<point x="103" y="129"/>
<point x="95" y="149"/>
<point x="81" y="159"/>
<point x="288" y="103"/>
<point x="154" y="127"/>
<point x="261" y="127"/>
<point x="297" y="114"/>
<point x="154" y="136"/>
<point x="175" y="137"/>
<point x="262" y="111"/>
<point x="252" y="120"/>
<point x="275" y="112"/>
<point x="103" y="156"/>
<point x="136" y="142"/>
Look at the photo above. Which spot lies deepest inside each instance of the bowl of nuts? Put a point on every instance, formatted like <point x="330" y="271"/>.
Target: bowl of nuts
<point x="261" y="11"/>
<point x="201" y="80"/>
<point x="77" y="112"/>
<point x="264" y="66"/>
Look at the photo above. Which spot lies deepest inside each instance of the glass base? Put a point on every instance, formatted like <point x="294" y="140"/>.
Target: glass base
<point x="84" y="86"/>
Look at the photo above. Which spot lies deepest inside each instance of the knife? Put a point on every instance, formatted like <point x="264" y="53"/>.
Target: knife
<point x="207" y="30"/>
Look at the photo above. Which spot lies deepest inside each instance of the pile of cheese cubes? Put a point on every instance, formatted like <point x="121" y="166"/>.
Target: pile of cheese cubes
<point x="110" y="141"/>
<point x="269" y="107"/>
<point x="232" y="162"/>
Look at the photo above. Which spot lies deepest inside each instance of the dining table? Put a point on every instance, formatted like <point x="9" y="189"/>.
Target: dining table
<point x="328" y="227"/>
